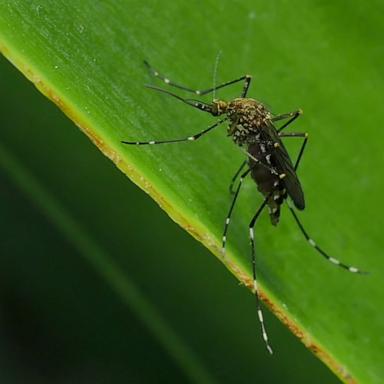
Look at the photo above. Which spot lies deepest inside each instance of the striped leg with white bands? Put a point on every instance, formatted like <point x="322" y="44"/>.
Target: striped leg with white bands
<point x="189" y="138"/>
<point x="228" y="218"/>
<point x="255" y="286"/>
<point x="243" y="164"/>
<point x="199" y="92"/>
<point x="311" y="242"/>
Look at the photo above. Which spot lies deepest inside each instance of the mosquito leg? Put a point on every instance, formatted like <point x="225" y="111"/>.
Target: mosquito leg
<point x="291" y="116"/>
<point x="198" y="92"/>
<point x="303" y="231"/>
<point x="300" y="135"/>
<point x="319" y="250"/>
<point x="231" y="191"/>
<point x="247" y="83"/>
<point x="236" y="193"/>
<point x="228" y="218"/>
<point x="189" y="138"/>
<point x="255" y="286"/>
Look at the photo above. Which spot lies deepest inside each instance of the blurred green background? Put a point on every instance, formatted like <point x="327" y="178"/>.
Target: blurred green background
<point x="184" y="318"/>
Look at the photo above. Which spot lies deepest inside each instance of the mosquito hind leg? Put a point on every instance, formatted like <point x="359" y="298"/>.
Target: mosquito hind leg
<point x="189" y="138"/>
<point x="247" y="83"/>
<point x="255" y="285"/>
<point x="331" y="259"/>
<point x="337" y="262"/>
<point x="167" y="81"/>
<point x="155" y="73"/>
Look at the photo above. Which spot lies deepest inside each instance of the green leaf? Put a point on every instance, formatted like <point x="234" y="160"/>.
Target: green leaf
<point x="325" y="59"/>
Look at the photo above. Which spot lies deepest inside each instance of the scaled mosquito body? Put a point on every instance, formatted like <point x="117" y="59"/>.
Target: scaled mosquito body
<point x="252" y="127"/>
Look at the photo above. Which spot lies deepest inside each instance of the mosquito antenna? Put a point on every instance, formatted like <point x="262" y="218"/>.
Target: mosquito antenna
<point x="215" y="73"/>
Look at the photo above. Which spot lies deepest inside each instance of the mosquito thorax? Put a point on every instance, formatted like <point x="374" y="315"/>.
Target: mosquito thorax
<point x="247" y="117"/>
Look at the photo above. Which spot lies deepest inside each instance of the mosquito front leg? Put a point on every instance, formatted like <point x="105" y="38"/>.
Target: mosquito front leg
<point x="189" y="138"/>
<point x="166" y="80"/>
<point x="247" y="83"/>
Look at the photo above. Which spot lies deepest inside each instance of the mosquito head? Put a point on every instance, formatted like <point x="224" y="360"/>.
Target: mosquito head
<point x="218" y="107"/>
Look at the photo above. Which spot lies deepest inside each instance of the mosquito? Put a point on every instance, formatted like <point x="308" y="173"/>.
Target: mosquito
<point x="252" y="127"/>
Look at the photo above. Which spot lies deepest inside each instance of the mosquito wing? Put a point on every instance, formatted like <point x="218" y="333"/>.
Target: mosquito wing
<point x="284" y="164"/>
